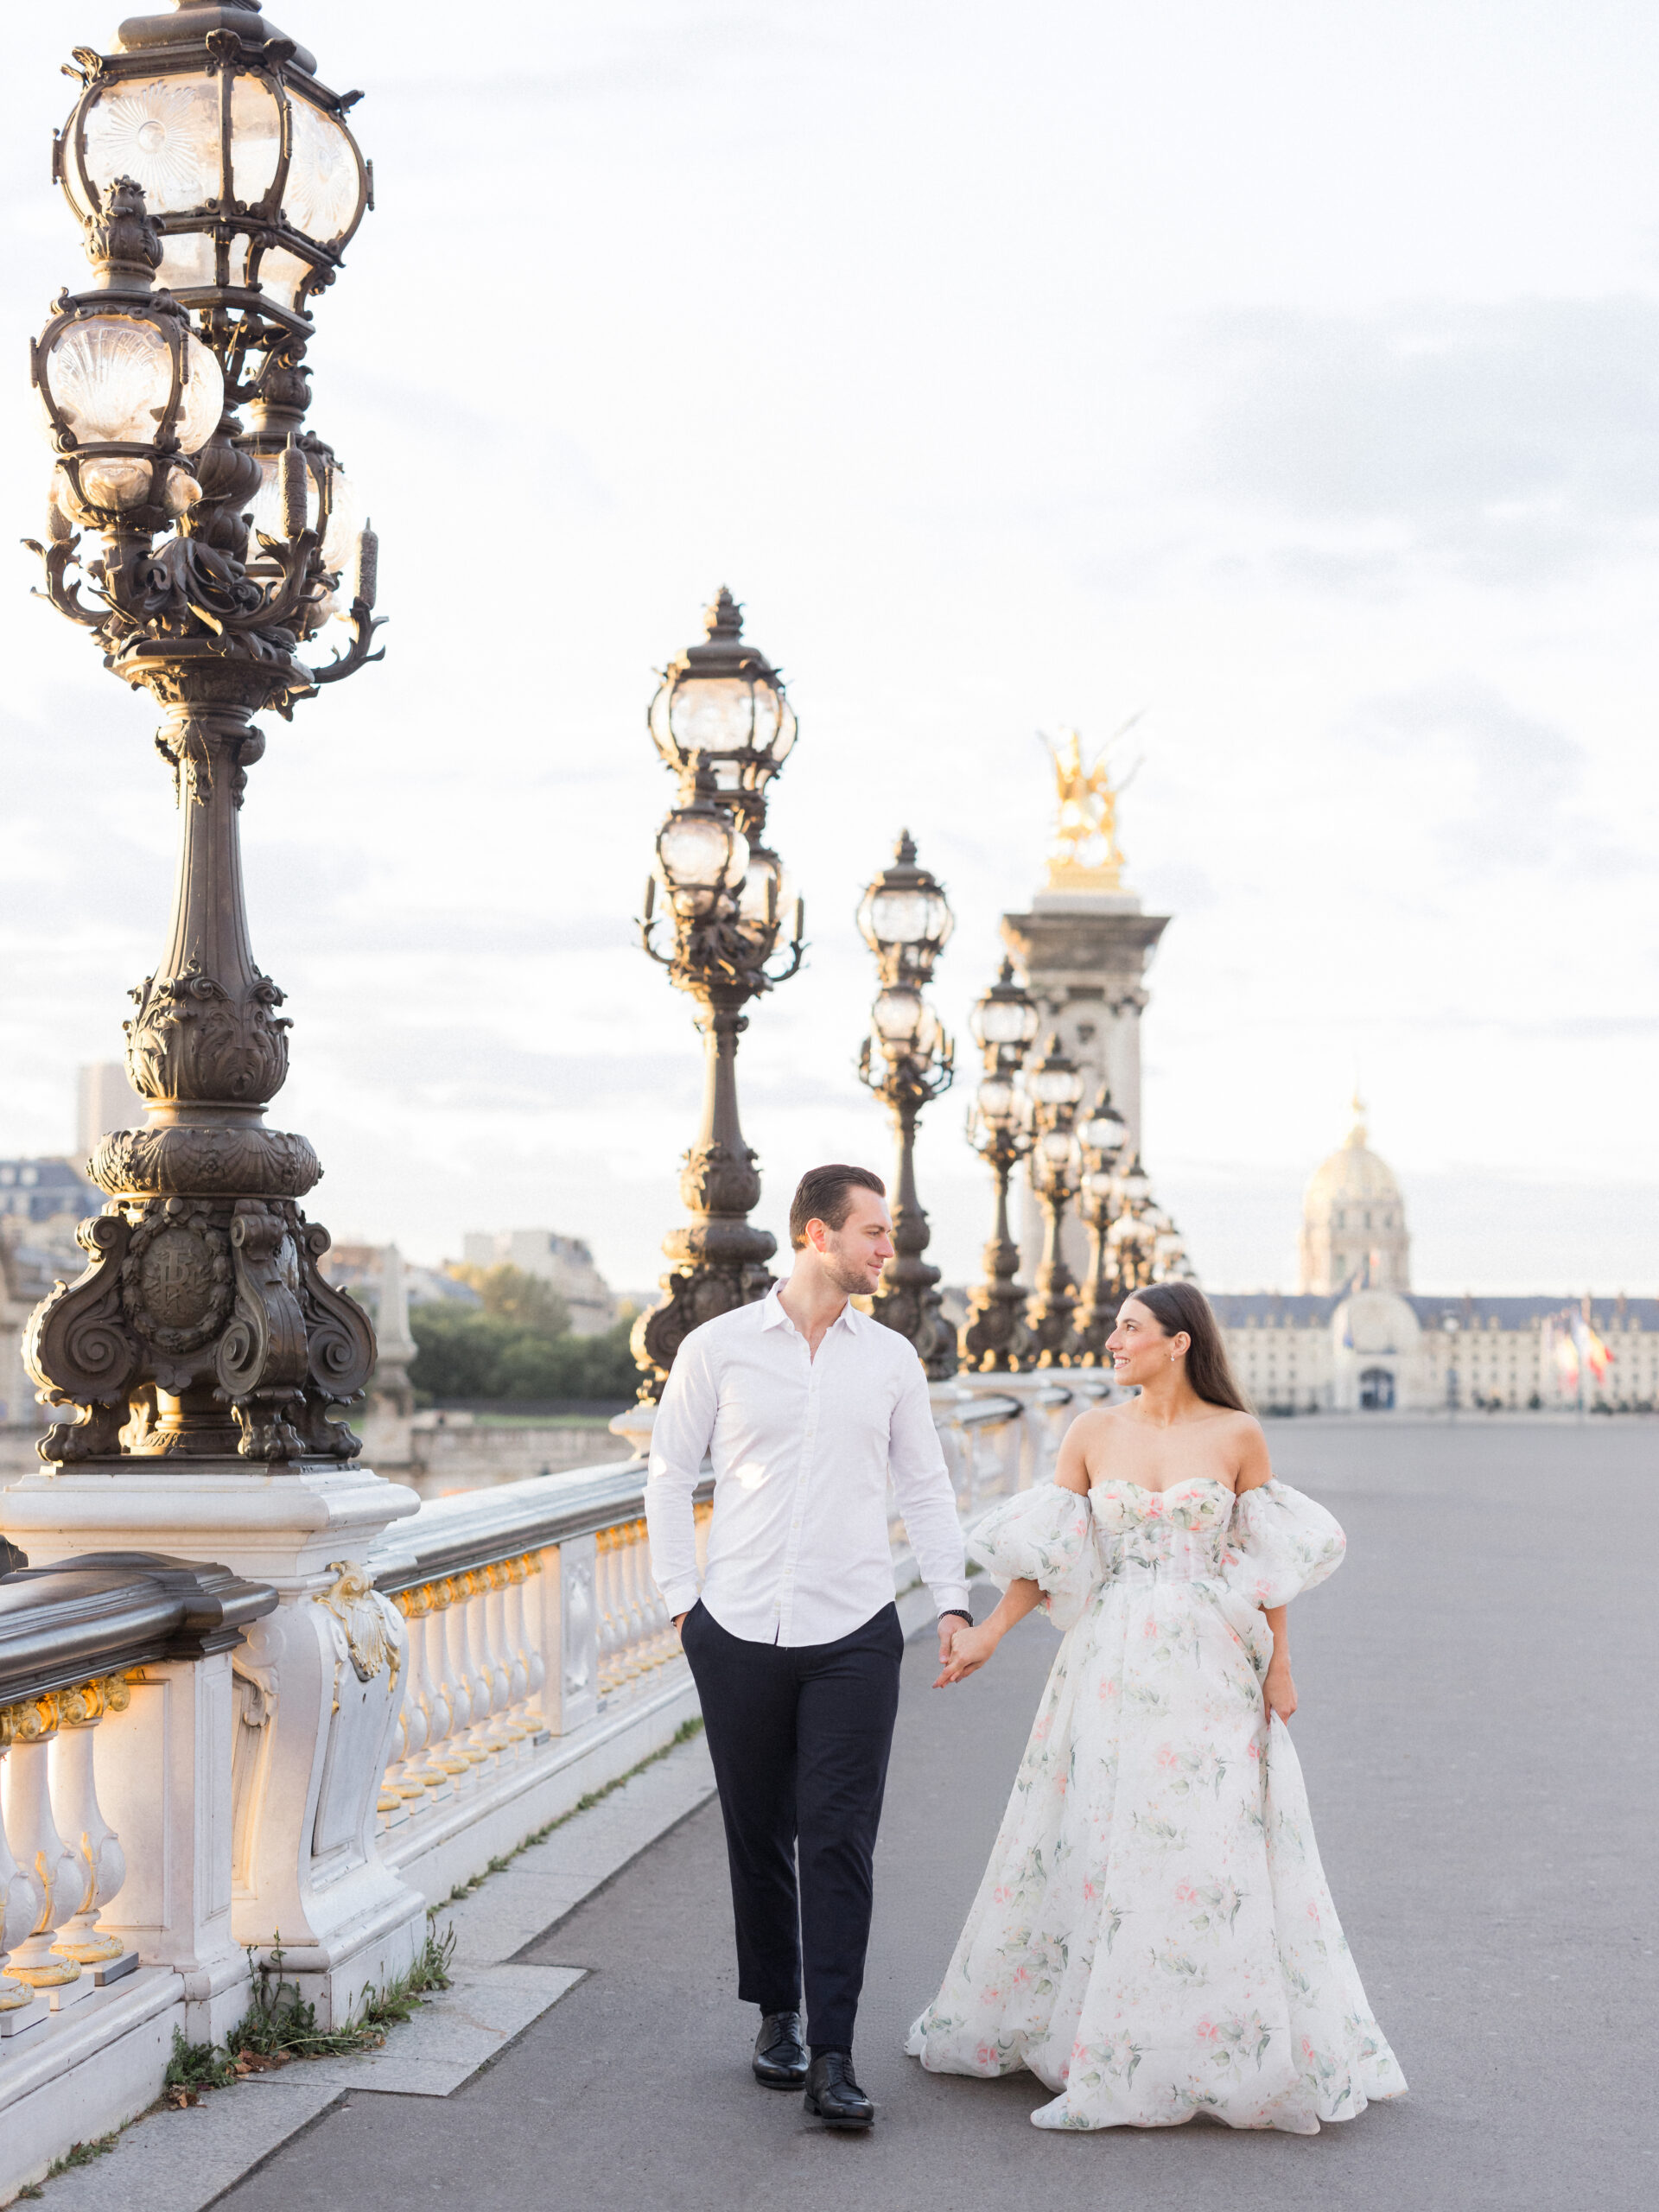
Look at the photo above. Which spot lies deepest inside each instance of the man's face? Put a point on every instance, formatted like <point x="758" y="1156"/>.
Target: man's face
<point x="854" y="1254"/>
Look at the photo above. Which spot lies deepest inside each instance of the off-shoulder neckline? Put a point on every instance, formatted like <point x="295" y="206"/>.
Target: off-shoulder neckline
<point x="1123" y="1482"/>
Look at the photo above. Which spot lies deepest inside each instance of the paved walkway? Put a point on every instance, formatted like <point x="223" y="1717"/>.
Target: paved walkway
<point x="1478" y="1692"/>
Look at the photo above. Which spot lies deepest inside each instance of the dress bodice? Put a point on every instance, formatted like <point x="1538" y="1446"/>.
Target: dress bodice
<point x="1177" y="1533"/>
<point x="1258" y="1550"/>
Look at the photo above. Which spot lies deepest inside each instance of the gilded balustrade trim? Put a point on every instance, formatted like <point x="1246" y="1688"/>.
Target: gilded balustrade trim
<point x="53" y="1889"/>
<point x="474" y="1671"/>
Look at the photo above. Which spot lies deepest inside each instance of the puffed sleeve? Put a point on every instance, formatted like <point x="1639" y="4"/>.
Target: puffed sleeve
<point x="1279" y="1544"/>
<point x="1045" y="1535"/>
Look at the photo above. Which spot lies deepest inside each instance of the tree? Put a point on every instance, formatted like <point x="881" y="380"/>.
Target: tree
<point x="518" y="1344"/>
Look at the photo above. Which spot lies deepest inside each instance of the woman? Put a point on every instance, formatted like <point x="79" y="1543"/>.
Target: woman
<point x="1153" y="1937"/>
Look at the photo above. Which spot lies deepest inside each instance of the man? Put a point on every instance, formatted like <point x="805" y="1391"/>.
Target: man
<point x="807" y="1406"/>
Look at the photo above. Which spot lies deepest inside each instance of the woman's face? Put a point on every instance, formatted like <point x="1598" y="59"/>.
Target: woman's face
<point x="1139" y="1345"/>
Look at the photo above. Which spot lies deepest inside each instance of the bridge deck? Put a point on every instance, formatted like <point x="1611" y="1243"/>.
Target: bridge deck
<point x="1476" y="1683"/>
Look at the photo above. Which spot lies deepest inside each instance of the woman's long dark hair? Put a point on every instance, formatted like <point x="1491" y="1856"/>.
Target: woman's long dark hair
<point x="1178" y="1306"/>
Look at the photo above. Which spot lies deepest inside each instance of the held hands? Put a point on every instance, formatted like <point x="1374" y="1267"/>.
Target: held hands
<point x="1278" y="1691"/>
<point x="962" y="1650"/>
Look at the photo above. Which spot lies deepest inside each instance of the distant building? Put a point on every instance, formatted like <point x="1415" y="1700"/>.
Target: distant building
<point x="1356" y="1339"/>
<point x="360" y="1267"/>
<point x="1376" y="1351"/>
<point x="564" y="1261"/>
<point x="1354" y="1221"/>
<point x="104" y="1100"/>
<point x="49" y="1190"/>
<point x="27" y="1274"/>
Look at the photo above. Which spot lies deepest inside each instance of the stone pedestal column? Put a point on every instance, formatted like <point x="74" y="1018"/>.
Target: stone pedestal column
<point x="1085" y="955"/>
<point x="310" y="1700"/>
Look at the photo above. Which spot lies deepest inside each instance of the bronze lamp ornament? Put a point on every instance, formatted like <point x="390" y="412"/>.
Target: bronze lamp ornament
<point x="907" y="1060"/>
<point x="721" y="722"/>
<point x="203" y="149"/>
<point x="996" y="1338"/>
<point x="1056" y="1085"/>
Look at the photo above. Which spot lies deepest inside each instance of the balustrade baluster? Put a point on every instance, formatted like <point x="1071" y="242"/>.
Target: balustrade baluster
<point x="22" y="1899"/>
<point x="34" y="1835"/>
<point x="475" y="1745"/>
<point x="527" y="1618"/>
<point x="410" y="1775"/>
<point x="629" y="1549"/>
<point x="449" y="1671"/>
<point x="496" y="1661"/>
<point x="74" y="1800"/>
<point x="507" y="1629"/>
<point x="610" y="1627"/>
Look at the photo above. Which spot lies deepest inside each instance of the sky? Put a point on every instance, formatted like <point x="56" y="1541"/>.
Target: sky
<point x="1286" y="376"/>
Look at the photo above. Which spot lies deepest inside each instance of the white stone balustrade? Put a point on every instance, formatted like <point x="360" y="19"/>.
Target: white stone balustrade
<point x="117" y="1803"/>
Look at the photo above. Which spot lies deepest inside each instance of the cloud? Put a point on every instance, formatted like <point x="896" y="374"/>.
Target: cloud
<point x="1512" y="441"/>
<point x="1505" y="779"/>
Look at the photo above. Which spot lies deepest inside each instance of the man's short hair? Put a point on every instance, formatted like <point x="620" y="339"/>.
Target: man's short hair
<point x="825" y="1194"/>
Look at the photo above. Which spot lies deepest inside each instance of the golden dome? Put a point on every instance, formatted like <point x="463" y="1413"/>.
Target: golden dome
<point x="1351" y="1174"/>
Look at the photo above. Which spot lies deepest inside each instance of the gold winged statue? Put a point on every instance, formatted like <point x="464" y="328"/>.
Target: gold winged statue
<point x="1086" y="854"/>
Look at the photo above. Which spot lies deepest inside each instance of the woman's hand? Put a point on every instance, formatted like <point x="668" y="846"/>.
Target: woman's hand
<point x="969" y="1649"/>
<point x="1278" y="1691"/>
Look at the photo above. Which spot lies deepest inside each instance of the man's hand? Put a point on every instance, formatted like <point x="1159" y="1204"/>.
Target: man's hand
<point x="1278" y="1691"/>
<point x="964" y="1652"/>
<point x="679" y="1622"/>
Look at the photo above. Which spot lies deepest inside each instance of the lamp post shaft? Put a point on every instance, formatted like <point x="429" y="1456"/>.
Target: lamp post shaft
<point x="1097" y="1313"/>
<point x="994" y="1338"/>
<point x="908" y="1297"/>
<point x="1051" y="1309"/>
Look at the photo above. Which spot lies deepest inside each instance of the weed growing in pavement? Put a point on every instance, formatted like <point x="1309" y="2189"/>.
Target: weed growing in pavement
<point x="280" y="2026"/>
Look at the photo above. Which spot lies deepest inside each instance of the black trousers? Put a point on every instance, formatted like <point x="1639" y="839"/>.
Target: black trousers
<point x="799" y="1737"/>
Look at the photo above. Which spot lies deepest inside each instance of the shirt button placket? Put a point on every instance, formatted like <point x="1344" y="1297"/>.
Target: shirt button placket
<point x="786" y="1610"/>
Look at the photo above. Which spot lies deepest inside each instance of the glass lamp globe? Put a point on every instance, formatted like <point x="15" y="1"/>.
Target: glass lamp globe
<point x="1137" y="1185"/>
<point x="1058" y="1149"/>
<point x="331" y="504"/>
<point x="1105" y="1129"/>
<point x="765" y="890"/>
<point x="901" y="1016"/>
<point x="995" y="1101"/>
<point x="106" y="384"/>
<point x="702" y="856"/>
<point x="1007" y="1018"/>
<point x="905" y="917"/>
<point x="723" y="704"/>
<point x="255" y="179"/>
<point x="1056" y="1083"/>
<point x="1101" y="1183"/>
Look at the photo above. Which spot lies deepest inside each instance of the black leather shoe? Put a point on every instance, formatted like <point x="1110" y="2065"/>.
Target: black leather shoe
<point x="780" y="2051"/>
<point x="833" y="2095"/>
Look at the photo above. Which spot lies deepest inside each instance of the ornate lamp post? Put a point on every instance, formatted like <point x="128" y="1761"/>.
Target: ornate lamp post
<point x="995" y="1338"/>
<point x="1132" y="1236"/>
<point x="1101" y="1139"/>
<point x="1056" y="1087"/>
<point x="204" y="151"/>
<point x="721" y="722"/>
<point x="906" y="919"/>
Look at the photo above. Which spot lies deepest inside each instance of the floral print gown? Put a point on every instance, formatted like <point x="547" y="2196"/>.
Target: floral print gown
<point x="1153" y="1937"/>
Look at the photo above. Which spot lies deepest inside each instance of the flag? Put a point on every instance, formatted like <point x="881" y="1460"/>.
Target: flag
<point x="1562" y="1343"/>
<point x="1590" y="1348"/>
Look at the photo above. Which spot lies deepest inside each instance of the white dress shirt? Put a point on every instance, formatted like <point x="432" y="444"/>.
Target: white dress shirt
<point x="799" y="1549"/>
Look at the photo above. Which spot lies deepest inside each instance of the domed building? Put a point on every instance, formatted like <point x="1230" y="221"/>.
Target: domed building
<point x="1354" y="1222"/>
